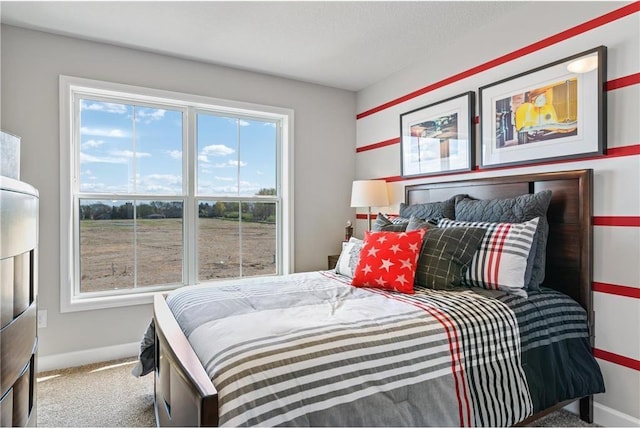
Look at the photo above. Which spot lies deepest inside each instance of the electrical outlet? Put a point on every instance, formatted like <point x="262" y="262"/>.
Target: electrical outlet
<point x="42" y="318"/>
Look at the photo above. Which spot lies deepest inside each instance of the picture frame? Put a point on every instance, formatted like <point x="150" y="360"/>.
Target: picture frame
<point x="553" y="112"/>
<point x="439" y="138"/>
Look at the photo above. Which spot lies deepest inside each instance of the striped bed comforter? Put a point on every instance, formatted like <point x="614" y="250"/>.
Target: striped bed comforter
<point x="308" y="349"/>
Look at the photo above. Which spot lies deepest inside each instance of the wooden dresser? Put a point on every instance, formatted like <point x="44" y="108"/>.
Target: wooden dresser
<point x="18" y="302"/>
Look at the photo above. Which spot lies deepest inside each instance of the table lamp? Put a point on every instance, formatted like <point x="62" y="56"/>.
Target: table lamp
<point x="369" y="193"/>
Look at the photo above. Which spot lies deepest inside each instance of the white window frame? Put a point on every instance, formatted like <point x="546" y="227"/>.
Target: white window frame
<point x="190" y="104"/>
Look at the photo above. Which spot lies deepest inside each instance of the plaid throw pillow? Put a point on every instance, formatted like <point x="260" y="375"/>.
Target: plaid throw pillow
<point x="445" y="256"/>
<point x="501" y="260"/>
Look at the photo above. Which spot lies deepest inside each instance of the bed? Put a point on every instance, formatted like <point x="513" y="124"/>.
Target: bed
<point x="503" y="368"/>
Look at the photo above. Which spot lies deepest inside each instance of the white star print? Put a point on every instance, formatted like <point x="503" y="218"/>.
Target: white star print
<point x="401" y="279"/>
<point x="367" y="269"/>
<point x="386" y="264"/>
<point x="395" y="248"/>
<point x="406" y="263"/>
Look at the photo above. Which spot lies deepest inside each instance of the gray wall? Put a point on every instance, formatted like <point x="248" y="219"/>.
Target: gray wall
<point x="324" y="139"/>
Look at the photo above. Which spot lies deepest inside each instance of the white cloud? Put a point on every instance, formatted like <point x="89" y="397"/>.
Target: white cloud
<point x="164" y="183"/>
<point x="103" y="132"/>
<point x="175" y="154"/>
<point x="129" y="154"/>
<point x="149" y="115"/>
<point x="217" y="150"/>
<point x="92" y="144"/>
<point x="86" y="158"/>
<point x="248" y="188"/>
<point x="103" y="187"/>
<point x="240" y="122"/>
<point x="114" y="157"/>
<point x="172" y="179"/>
<point x="103" y="107"/>
<point x="227" y="164"/>
<point x="88" y="175"/>
<point x="161" y="189"/>
<point x="224" y="179"/>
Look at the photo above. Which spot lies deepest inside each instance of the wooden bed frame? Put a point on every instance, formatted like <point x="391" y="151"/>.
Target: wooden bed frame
<point x="185" y="396"/>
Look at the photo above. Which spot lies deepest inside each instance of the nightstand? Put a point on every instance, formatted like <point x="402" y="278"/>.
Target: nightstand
<point x="333" y="261"/>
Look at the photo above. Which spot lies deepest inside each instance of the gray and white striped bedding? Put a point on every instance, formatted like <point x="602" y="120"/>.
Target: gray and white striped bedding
<point x="308" y="349"/>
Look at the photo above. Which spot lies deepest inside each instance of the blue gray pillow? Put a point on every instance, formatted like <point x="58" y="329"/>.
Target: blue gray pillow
<point x="436" y="210"/>
<point x="416" y="223"/>
<point x="383" y="223"/>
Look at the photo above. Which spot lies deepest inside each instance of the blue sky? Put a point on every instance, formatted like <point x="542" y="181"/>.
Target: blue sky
<point x="231" y="152"/>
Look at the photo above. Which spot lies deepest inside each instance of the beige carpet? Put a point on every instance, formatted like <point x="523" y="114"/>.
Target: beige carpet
<point x="98" y="395"/>
<point x="107" y="395"/>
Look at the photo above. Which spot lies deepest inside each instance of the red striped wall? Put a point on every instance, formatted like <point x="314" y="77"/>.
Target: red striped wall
<point x="617" y="359"/>
<point x="616" y="221"/>
<point x="545" y="43"/>
<point x="611" y="85"/>
<point x="632" y="150"/>
<point x="629" y="292"/>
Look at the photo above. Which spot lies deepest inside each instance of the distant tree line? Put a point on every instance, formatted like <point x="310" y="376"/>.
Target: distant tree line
<point x="251" y="212"/>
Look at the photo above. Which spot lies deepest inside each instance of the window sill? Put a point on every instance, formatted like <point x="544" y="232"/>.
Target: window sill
<point x="110" y="301"/>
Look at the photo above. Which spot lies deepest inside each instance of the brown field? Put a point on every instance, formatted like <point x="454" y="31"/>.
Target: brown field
<point x="107" y="251"/>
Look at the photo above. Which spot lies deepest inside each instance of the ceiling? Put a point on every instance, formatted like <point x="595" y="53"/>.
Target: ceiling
<point x="343" y="44"/>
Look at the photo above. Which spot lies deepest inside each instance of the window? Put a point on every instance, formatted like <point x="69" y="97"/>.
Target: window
<point x="161" y="190"/>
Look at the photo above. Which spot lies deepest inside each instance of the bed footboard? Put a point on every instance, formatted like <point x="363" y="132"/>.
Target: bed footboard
<point x="183" y="393"/>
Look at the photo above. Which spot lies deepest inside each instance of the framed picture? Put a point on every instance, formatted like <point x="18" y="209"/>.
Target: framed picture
<point x="556" y="111"/>
<point x="438" y="138"/>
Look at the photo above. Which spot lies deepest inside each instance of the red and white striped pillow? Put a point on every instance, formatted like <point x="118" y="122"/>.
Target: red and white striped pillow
<point x="501" y="260"/>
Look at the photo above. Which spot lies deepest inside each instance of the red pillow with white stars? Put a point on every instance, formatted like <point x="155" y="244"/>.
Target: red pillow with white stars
<point x="388" y="260"/>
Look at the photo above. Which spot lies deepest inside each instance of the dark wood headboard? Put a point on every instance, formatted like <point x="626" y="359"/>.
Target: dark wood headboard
<point x="569" y="267"/>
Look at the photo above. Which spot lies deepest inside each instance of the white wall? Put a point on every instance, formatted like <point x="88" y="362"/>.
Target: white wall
<point x="617" y="178"/>
<point x="324" y="138"/>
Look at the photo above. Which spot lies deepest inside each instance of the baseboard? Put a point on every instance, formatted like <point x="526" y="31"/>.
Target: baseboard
<point x="85" y="357"/>
<point x="606" y="416"/>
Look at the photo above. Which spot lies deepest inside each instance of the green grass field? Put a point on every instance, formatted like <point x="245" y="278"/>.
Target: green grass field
<point x="107" y="251"/>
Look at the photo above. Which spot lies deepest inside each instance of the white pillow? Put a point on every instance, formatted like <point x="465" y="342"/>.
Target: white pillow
<point x="349" y="257"/>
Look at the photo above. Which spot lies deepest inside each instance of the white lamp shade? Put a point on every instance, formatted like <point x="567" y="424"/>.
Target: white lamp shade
<point x="369" y="193"/>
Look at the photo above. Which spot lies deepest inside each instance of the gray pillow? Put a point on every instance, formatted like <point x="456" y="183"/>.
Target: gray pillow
<point x="515" y="210"/>
<point x="383" y="223"/>
<point x="416" y="223"/>
<point x="445" y="255"/>
<point x="435" y="210"/>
